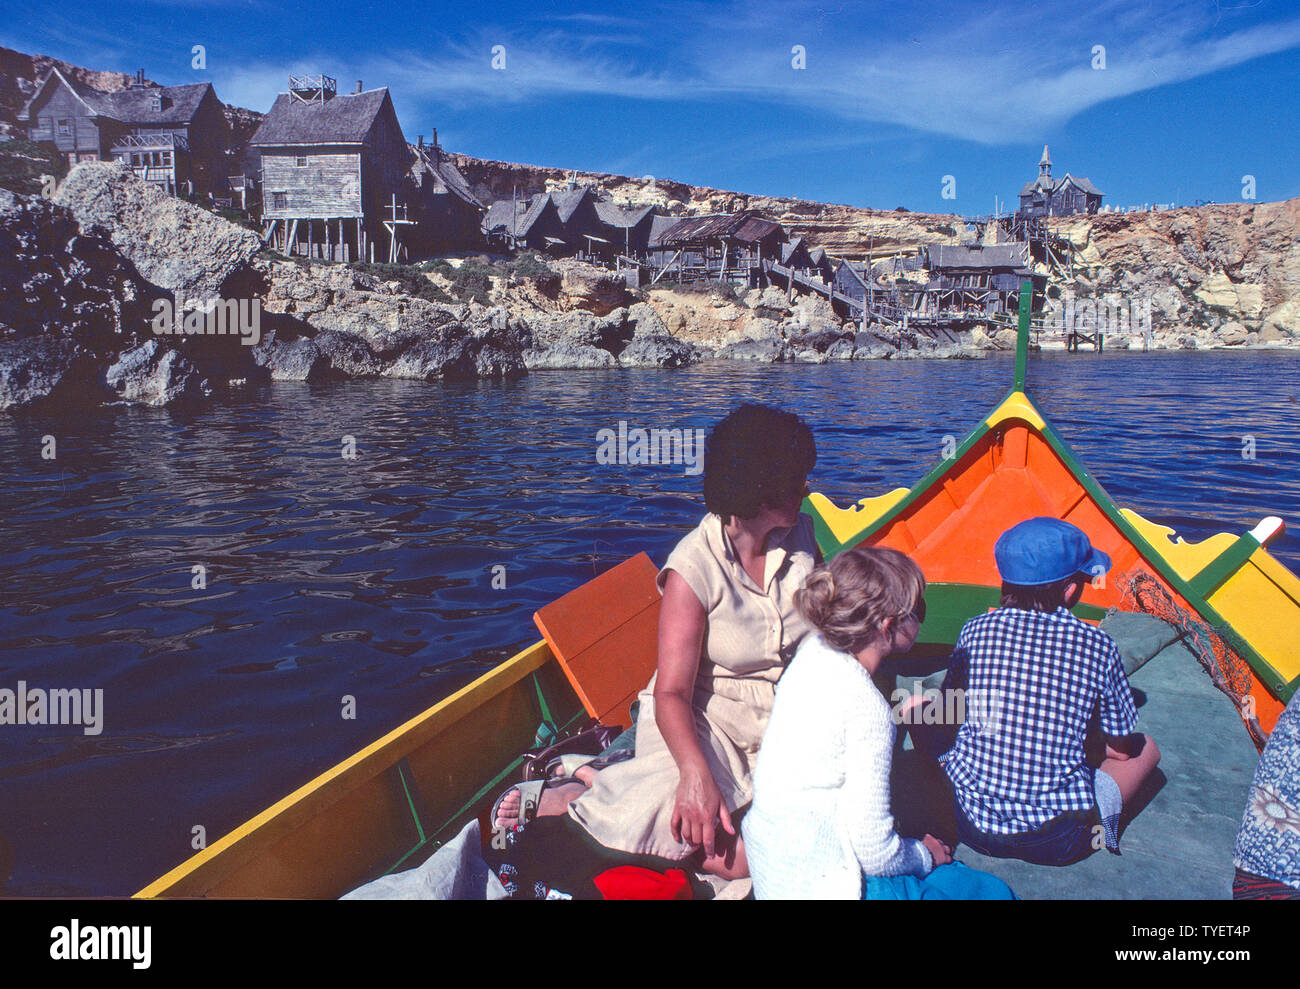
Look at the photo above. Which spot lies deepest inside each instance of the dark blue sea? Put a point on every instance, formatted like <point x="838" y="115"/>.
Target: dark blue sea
<point x="373" y="576"/>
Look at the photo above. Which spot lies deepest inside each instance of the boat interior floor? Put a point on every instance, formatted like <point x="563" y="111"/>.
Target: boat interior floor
<point x="1180" y="844"/>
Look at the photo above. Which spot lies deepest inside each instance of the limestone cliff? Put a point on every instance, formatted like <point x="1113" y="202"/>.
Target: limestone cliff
<point x="1215" y="275"/>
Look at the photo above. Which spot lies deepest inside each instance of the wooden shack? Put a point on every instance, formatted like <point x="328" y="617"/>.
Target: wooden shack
<point x="531" y="222"/>
<point x="334" y="172"/>
<point x="978" y="279"/>
<point x="172" y="136"/>
<point x="626" y="228"/>
<point x="721" y="247"/>
<point x="449" y="214"/>
<point x="852" y="278"/>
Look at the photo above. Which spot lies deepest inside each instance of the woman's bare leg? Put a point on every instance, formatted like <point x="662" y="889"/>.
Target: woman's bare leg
<point x="729" y="862"/>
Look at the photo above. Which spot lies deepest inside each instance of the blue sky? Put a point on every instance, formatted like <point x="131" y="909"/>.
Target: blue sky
<point x="893" y="96"/>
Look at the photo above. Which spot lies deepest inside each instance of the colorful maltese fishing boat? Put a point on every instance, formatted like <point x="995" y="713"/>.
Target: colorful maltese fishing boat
<point x="1207" y="631"/>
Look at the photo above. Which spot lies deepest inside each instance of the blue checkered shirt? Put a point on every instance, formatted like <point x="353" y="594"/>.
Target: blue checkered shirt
<point x="1033" y="681"/>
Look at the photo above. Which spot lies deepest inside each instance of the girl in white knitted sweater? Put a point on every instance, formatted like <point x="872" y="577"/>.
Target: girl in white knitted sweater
<point x="820" y="820"/>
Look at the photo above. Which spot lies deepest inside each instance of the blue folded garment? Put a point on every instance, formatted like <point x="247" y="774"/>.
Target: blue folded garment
<point x="946" y="882"/>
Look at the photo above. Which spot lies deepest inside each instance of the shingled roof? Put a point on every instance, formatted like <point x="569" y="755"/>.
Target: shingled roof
<point x="567" y="201"/>
<point x="134" y="106"/>
<point x="745" y="227"/>
<point x="430" y="165"/>
<point x="1055" y="185"/>
<point x="513" y="218"/>
<point x="343" y="119"/>
<point x="621" y="216"/>
<point x="949" y="256"/>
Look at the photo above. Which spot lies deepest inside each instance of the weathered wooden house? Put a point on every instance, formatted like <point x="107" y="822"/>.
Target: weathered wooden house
<point x="531" y="222"/>
<point x="853" y="279"/>
<point x="173" y="136"/>
<point x="583" y="233"/>
<point x="570" y="221"/>
<point x="1045" y="196"/>
<point x="985" y="279"/>
<point x="450" y="216"/>
<point x="626" y="228"/>
<point x="810" y="262"/>
<point x="722" y="247"/>
<point x="334" y="172"/>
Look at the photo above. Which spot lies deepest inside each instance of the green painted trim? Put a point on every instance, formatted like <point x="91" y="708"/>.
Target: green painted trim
<point x="950" y="606"/>
<point x="403" y="767"/>
<point x="1224" y="565"/>
<point x="1022" y="334"/>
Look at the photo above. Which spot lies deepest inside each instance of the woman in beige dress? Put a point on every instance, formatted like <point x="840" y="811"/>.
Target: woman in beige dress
<point x="727" y="628"/>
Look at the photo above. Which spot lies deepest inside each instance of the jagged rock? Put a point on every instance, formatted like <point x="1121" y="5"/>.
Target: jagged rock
<point x="614" y="326"/>
<point x="868" y="345"/>
<point x="36" y="369"/>
<point x="657" y="351"/>
<point x="155" y="374"/>
<point x="448" y="355"/>
<point x="1283" y="321"/>
<point x="1005" y="338"/>
<point x="496" y="362"/>
<point x="1232" y="334"/>
<point x="388" y="325"/>
<point x="180" y="248"/>
<point x="56" y="280"/>
<point x="1218" y="290"/>
<point x="810" y="357"/>
<point x="482" y="322"/>
<point x="577" y="328"/>
<point x="772" y="304"/>
<point x="348" y="355"/>
<point x="646" y="320"/>
<point x="758" y="328"/>
<point x="840" y="350"/>
<point x="569" y="355"/>
<point x="291" y="360"/>
<point x="763" y="351"/>
<point x="820" y="341"/>
<point x="583" y="286"/>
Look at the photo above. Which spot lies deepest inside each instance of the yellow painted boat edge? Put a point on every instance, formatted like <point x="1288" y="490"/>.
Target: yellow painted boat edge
<point x="359" y="767"/>
<point x="1187" y="558"/>
<point x="1016" y="406"/>
<point x="847" y="522"/>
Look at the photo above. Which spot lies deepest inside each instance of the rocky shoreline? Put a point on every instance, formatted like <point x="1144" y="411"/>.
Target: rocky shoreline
<point x="88" y="273"/>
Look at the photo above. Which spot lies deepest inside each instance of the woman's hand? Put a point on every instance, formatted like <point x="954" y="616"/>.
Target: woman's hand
<point x="697" y="810"/>
<point x="940" y="852"/>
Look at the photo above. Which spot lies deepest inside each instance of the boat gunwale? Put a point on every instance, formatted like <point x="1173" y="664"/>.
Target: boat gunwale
<point x="244" y="843"/>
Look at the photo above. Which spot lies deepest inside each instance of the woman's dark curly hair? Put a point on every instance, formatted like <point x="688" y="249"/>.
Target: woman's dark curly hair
<point x="756" y="456"/>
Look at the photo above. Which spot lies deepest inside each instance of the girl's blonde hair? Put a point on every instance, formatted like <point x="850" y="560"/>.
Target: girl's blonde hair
<point x="848" y="599"/>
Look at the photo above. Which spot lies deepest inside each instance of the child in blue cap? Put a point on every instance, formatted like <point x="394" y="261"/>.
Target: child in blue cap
<point x="1022" y="785"/>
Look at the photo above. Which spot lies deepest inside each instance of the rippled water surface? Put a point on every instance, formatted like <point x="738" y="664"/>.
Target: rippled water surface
<point x="373" y="576"/>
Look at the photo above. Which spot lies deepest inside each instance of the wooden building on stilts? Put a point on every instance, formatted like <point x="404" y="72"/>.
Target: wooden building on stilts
<point x="725" y="247"/>
<point x="334" y="172"/>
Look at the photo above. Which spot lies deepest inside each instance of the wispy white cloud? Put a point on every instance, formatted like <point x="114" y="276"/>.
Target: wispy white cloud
<point x="995" y="75"/>
<point x="992" y="73"/>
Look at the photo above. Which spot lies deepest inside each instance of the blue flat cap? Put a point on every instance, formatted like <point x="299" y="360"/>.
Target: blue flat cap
<point x="1045" y="550"/>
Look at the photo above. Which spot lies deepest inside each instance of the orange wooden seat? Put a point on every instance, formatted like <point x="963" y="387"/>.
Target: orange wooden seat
<point x="605" y="635"/>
